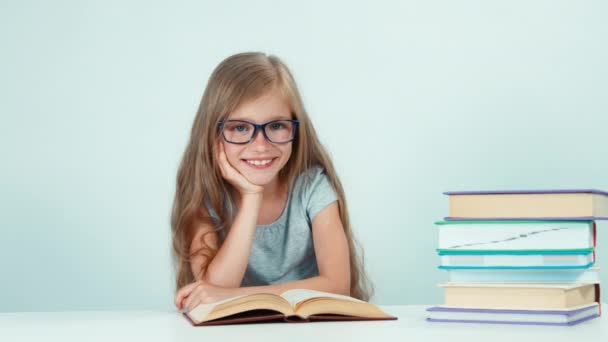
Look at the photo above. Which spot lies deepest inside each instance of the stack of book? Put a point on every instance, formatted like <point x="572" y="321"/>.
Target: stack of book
<point x="520" y="257"/>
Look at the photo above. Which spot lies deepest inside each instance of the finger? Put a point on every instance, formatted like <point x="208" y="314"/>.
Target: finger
<point x="183" y="293"/>
<point x="182" y="300"/>
<point x="229" y="170"/>
<point x="179" y="297"/>
<point x="193" y="299"/>
<point x="188" y="302"/>
<point x="222" y="164"/>
<point x="218" y="149"/>
<point x="176" y="302"/>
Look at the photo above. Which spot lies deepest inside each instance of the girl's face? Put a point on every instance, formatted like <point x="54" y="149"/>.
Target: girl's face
<point x="270" y="158"/>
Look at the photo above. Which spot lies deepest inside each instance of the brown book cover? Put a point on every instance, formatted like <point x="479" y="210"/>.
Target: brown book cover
<point x="293" y="306"/>
<point x="259" y="316"/>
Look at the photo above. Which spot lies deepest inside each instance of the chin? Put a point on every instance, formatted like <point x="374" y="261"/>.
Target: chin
<point x="260" y="179"/>
<point x="262" y="182"/>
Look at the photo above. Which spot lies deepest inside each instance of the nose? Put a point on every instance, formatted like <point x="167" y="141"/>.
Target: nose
<point x="259" y="141"/>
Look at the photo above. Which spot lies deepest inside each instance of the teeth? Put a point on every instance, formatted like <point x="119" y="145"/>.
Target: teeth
<point x="259" y="162"/>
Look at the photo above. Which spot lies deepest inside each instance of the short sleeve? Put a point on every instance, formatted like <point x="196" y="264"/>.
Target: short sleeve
<point x="215" y="220"/>
<point x="212" y="214"/>
<point x="319" y="193"/>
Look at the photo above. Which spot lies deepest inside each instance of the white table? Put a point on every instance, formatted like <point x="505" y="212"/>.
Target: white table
<point x="151" y="326"/>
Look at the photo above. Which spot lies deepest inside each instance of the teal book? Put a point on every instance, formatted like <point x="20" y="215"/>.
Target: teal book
<point x="535" y="276"/>
<point x="517" y="259"/>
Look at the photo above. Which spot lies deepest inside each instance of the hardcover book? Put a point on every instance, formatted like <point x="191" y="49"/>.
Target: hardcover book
<point x="520" y="296"/>
<point x="570" y="316"/>
<point x="558" y="204"/>
<point x="513" y="276"/>
<point x="517" y="259"/>
<point x="298" y="305"/>
<point x="515" y="235"/>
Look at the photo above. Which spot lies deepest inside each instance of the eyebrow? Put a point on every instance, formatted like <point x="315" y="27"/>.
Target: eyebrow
<point x="272" y="118"/>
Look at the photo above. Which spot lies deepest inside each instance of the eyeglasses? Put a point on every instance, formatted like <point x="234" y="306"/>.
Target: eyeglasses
<point x="242" y="132"/>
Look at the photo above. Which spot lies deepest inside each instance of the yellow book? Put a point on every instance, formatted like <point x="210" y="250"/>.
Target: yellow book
<point x="298" y="305"/>
<point x="520" y="296"/>
<point x="587" y="204"/>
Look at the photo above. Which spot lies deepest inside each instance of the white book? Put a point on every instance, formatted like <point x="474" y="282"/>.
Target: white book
<point x="515" y="235"/>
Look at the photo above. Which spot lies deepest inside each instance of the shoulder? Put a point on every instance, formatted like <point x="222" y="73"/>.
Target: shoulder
<point x="314" y="190"/>
<point x="311" y="178"/>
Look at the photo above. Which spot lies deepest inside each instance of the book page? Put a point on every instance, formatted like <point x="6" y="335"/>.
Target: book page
<point x="296" y="296"/>
<point x="201" y="311"/>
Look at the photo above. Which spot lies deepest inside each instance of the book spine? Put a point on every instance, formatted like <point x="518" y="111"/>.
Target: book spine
<point x="523" y="276"/>
<point x="578" y="218"/>
<point x="511" y="322"/>
<point x="577" y="267"/>
<point x="579" y="251"/>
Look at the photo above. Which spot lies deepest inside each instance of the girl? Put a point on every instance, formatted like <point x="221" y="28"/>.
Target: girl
<point x="258" y="205"/>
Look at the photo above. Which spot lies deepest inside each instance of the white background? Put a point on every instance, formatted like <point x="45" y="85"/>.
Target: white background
<point x="412" y="98"/>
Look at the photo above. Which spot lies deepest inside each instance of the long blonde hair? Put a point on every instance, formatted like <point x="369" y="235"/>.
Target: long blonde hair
<point x="237" y="79"/>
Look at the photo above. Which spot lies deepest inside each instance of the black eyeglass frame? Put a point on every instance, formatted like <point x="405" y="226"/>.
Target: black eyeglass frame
<point x="261" y="127"/>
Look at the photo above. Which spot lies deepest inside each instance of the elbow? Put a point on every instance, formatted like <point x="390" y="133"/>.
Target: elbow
<point x="218" y="282"/>
<point x="345" y="289"/>
<point x="212" y="278"/>
<point x="340" y="286"/>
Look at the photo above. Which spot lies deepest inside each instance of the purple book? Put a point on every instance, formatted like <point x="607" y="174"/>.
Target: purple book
<point x="547" y="191"/>
<point x="513" y="316"/>
<point x="476" y="210"/>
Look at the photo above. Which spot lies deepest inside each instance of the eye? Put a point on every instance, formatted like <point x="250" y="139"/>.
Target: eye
<point x="277" y="125"/>
<point x="237" y="127"/>
<point x="240" y="128"/>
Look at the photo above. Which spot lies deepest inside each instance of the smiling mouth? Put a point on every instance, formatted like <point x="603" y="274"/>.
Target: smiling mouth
<point x="259" y="164"/>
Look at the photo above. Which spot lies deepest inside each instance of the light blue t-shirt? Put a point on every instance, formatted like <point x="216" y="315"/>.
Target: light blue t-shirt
<point x="283" y="251"/>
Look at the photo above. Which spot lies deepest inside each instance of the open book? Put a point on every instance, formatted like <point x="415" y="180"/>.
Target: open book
<point x="297" y="305"/>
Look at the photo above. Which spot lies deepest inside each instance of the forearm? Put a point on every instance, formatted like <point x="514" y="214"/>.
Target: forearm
<point x="229" y="264"/>
<point x="319" y="283"/>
